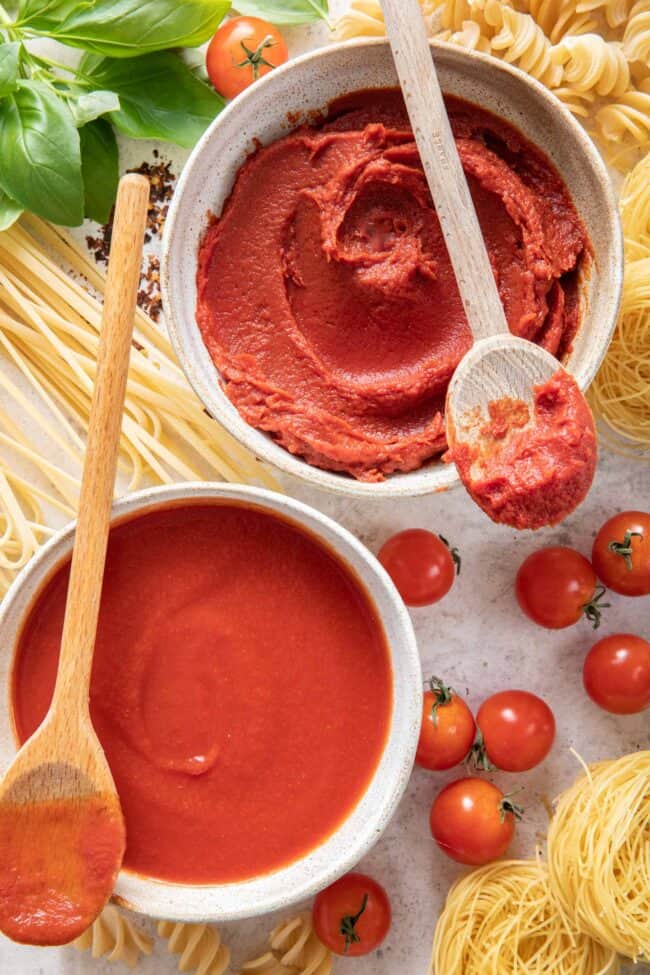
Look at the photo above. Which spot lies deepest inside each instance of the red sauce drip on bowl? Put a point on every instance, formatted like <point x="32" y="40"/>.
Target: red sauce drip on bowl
<point x="241" y="688"/>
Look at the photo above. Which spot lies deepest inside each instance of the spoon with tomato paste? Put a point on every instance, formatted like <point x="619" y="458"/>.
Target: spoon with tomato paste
<point x="518" y="427"/>
<point x="62" y="834"/>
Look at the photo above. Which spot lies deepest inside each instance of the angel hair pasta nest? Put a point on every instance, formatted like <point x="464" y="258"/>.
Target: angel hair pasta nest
<point x="501" y="920"/>
<point x="599" y="854"/>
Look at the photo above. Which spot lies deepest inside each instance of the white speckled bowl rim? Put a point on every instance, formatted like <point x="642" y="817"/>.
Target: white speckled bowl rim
<point x="309" y="83"/>
<point x="365" y="824"/>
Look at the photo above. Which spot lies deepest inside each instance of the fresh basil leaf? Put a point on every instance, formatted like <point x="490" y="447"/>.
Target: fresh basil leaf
<point x="160" y="98"/>
<point x="100" y="168"/>
<point x="40" y="159"/>
<point x="9" y="61"/>
<point x="9" y="211"/>
<point x="91" y="105"/>
<point x="126" y="28"/>
<point x="284" y="11"/>
<point x="39" y="12"/>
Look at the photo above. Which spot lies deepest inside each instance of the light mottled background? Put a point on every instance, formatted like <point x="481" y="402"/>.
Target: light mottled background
<point x="478" y="640"/>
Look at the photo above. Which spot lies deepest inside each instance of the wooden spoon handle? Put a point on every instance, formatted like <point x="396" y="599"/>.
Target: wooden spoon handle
<point x="100" y="462"/>
<point x="447" y="182"/>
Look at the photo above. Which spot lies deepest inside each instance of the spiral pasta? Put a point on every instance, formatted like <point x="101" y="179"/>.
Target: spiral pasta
<point x="592" y="64"/>
<point x="295" y="949"/>
<point x="364" y="18"/>
<point x="200" y="947"/>
<point x="636" y="39"/>
<point x="628" y="118"/>
<point x="519" y="40"/>
<point x="114" y="938"/>
<point x="501" y="920"/>
<point x="559" y="17"/>
<point x="599" y="854"/>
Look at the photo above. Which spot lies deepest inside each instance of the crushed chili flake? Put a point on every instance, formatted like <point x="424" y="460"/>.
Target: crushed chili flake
<point x="162" y="181"/>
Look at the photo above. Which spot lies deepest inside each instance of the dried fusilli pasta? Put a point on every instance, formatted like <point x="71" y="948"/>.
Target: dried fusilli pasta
<point x="559" y="17"/>
<point x="519" y="40"/>
<point x="200" y="947"/>
<point x="636" y="39"/>
<point x="113" y="937"/>
<point x="628" y="118"/>
<point x="364" y="18"/>
<point x="590" y="63"/>
<point x="615" y="11"/>
<point x="295" y="949"/>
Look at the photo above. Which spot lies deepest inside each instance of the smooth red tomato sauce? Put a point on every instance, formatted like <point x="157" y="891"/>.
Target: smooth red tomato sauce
<point x="59" y="861"/>
<point x="241" y="688"/>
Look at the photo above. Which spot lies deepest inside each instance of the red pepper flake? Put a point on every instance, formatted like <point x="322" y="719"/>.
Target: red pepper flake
<point x="162" y="182"/>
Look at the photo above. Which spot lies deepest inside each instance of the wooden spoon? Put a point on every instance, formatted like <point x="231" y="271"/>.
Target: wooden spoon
<point x="62" y="834"/>
<point x="499" y="365"/>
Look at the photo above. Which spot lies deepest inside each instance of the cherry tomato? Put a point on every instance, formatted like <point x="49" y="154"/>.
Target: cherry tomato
<point x="243" y="50"/>
<point x="621" y="553"/>
<point x="517" y="730"/>
<point x="556" y="586"/>
<point x="472" y="821"/>
<point x="420" y="564"/>
<point x="447" y="730"/>
<point x="616" y="673"/>
<point x="353" y="915"/>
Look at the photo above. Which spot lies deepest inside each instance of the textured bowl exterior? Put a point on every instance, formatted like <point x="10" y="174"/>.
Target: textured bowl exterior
<point x="370" y="816"/>
<point x="308" y="84"/>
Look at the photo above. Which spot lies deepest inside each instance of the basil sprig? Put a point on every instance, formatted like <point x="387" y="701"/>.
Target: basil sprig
<point x="58" y="154"/>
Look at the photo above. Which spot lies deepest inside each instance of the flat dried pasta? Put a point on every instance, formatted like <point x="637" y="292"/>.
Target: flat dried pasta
<point x="501" y="920"/>
<point x="114" y="938"/>
<point x="599" y="854"/>
<point x="49" y="334"/>
<point x="200" y="947"/>
<point x="295" y="949"/>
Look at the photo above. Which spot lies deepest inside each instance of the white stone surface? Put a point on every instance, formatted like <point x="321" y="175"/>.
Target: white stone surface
<point x="478" y="640"/>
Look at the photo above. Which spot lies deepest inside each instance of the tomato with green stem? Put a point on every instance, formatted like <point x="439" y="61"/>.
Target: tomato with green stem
<point x="447" y="729"/>
<point x="243" y="50"/>
<point x="616" y="673"/>
<point x="352" y="916"/>
<point x="516" y="730"/>
<point x="556" y="586"/>
<point x="421" y="564"/>
<point x="621" y="553"/>
<point x="472" y="821"/>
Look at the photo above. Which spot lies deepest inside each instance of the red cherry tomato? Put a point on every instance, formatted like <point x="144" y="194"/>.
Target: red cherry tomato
<point x="517" y="731"/>
<point x="447" y="730"/>
<point x="420" y="564"/>
<point x="243" y="50"/>
<point x="555" y="586"/>
<point x="472" y="821"/>
<point x="353" y="915"/>
<point x="616" y="673"/>
<point x="621" y="553"/>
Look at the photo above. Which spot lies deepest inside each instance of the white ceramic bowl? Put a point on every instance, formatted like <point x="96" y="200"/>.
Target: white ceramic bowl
<point x="368" y="819"/>
<point x="309" y="83"/>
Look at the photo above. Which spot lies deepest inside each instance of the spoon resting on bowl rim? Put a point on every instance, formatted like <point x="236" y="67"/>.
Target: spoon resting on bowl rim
<point x="518" y="427"/>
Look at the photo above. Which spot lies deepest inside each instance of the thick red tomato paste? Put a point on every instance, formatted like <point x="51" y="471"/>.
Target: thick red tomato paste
<point x="58" y="865"/>
<point x="241" y="688"/>
<point x="529" y="470"/>
<point x="326" y="297"/>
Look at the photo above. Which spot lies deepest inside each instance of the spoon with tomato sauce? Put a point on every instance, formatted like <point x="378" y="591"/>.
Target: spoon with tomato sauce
<point x="518" y="427"/>
<point x="62" y="834"/>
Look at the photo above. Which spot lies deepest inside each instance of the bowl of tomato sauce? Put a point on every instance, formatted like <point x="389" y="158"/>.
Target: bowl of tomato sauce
<point x="256" y="687"/>
<point x="306" y="284"/>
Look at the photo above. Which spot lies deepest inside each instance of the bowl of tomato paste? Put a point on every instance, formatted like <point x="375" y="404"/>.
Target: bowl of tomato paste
<point x="256" y="687"/>
<point x="307" y="287"/>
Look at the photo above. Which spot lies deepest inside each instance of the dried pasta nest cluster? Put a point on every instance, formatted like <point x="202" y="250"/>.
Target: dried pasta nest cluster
<point x="593" y="54"/>
<point x="585" y="911"/>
